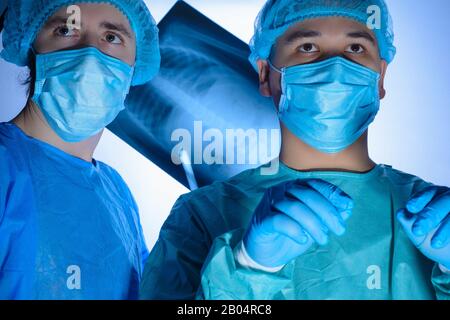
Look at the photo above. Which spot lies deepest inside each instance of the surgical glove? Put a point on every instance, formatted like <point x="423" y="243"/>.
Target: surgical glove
<point x="426" y="221"/>
<point x="291" y="217"/>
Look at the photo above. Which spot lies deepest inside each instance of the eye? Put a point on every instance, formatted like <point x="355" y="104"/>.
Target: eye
<point x="113" y="38"/>
<point x="65" y="31"/>
<point x="355" y="49"/>
<point x="308" y="48"/>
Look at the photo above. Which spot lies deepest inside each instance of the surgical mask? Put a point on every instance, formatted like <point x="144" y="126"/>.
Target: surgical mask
<point x="80" y="91"/>
<point x="329" y="104"/>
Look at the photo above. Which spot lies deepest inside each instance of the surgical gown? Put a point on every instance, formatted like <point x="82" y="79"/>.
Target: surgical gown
<point x="374" y="259"/>
<point x="69" y="229"/>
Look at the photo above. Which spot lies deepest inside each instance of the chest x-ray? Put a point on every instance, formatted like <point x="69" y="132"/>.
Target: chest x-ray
<point x="205" y="97"/>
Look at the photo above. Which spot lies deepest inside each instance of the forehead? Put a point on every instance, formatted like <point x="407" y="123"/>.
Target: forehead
<point x="92" y="13"/>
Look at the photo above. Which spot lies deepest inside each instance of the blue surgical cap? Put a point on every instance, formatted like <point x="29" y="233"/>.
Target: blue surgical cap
<point x="278" y="15"/>
<point x="25" y="18"/>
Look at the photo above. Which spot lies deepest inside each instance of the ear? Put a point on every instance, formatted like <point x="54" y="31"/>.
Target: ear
<point x="263" y="71"/>
<point x="381" y="88"/>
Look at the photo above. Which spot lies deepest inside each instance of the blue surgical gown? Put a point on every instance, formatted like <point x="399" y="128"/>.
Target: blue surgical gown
<point x="69" y="229"/>
<point x="374" y="259"/>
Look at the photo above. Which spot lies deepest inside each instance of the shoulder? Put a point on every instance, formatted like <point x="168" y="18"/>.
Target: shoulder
<point x="9" y="134"/>
<point x="109" y="171"/>
<point x="400" y="176"/>
<point x="219" y="207"/>
<point x="233" y="187"/>
<point x="113" y="175"/>
<point x="238" y="189"/>
<point x="15" y="143"/>
<point x="402" y="179"/>
<point x="116" y="179"/>
<point x="6" y="163"/>
<point x="15" y="181"/>
<point x="9" y="151"/>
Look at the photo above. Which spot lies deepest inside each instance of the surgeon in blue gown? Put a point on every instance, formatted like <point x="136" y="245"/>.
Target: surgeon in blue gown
<point x="69" y="226"/>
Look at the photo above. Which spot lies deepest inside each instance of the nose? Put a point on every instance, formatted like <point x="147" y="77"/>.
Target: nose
<point x="87" y="39"/>
<point x="331" y="54"/>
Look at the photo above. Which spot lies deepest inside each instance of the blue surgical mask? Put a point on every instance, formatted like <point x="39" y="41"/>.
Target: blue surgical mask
<point x="80" y="91"/>
<point x="329" y="104"/>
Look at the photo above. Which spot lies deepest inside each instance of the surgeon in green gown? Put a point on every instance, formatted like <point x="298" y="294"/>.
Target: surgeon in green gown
<point x="323" y="221"/>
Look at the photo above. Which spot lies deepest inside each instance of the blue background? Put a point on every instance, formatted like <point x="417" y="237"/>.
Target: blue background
<point x="412" y="130"/>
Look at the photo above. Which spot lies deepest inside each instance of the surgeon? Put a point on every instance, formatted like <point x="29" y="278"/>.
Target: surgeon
<point x="330" y="223"/>
<point x="69" y="226"/>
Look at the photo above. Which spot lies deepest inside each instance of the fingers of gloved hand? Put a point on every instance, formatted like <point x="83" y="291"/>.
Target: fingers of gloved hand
<point x="433" y="215"/>
<point x="421" y="199"/>
<point x="310" y="222"/>
<point x="320" y="205"/>
<point x="407" y="220"/>
<point x="441" y="238"/>
<point x="285" y="225"/>
<point x="342" y="201"/>
<point x="278" y="192"/>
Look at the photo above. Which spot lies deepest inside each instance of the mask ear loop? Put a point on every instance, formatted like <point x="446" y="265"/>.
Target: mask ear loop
<point x="33" y="51"/>
<point x="273" y="67"/>
<point x="281" y="109"/>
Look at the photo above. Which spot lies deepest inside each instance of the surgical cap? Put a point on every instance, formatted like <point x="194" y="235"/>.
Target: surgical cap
<point x="25" y="18"/>
<point x="278" y="15"/>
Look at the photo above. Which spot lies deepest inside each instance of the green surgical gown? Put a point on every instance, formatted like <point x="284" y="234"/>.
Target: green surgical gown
<point x="374" y="259"/>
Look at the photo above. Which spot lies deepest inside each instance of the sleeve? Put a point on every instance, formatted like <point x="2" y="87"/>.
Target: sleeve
<point x="135" y="219"/>
<point x="6" y="182"/>
<point x="242" y="258"/>
<point x="223" y="278"/>
<point x="144" y="250"/>
<point x="174" y="266"/>
<point x="142" y="244"/>
<point x="441" y="283"/>
<point x="140" y="232"/>
<point x="17" y="230"/>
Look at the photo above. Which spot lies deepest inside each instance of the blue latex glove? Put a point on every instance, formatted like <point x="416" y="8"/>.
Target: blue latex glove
<point x="426" y="220"/>
<point x="292" y="216"/>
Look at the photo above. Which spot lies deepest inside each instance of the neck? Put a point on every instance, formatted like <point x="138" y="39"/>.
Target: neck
<point x="299" y="156"/>
<point x="32" y="122"/>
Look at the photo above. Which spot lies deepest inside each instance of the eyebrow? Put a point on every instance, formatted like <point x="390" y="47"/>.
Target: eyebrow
<point x="56" y="20"/>
<point x="361" y="34"/>
<point x="62" y="20"/>
<point x="116" y="27"/>
<point x="301" y="34"/>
